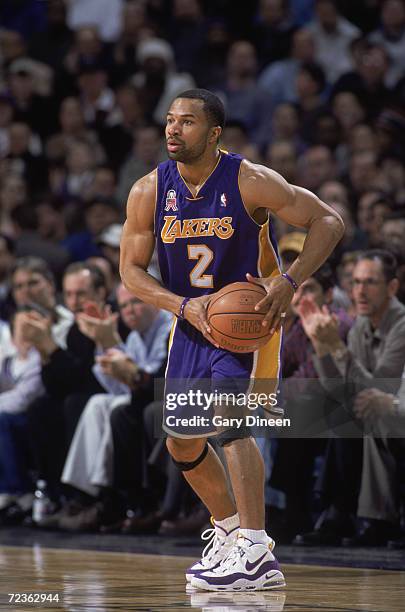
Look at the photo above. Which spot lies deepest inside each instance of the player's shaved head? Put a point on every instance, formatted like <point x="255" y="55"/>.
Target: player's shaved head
<point x="212" y="105"/>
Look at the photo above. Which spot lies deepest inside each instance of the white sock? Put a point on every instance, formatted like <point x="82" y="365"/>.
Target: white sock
<point x="229" y="524"/>
<point x="257" y="536"/>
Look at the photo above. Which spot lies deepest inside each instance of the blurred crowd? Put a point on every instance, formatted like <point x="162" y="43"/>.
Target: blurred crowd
<point x="314" y="89"/>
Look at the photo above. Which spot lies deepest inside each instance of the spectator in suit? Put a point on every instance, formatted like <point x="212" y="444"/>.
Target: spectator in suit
<point x="124" y="370"/>
<point x="66" y="373"/>
<point x="352" y="481"/>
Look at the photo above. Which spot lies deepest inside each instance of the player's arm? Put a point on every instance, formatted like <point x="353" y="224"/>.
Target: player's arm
<point x="264" y="188"/>
<point x="137" y="245"/>
<point x="261" y="187"/>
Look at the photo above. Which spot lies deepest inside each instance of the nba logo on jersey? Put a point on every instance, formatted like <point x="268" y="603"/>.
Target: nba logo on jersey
<point x="224" y="201"/>
<point x="171" y="200"/>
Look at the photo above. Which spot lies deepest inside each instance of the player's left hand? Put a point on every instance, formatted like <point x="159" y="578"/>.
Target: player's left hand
<point x="278" y="299"/>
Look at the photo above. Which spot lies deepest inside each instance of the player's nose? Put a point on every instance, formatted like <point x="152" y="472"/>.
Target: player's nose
<point x="173" y="129"/>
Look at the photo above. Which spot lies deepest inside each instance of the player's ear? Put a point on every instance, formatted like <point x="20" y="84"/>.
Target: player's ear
<point x="215" y="133"/>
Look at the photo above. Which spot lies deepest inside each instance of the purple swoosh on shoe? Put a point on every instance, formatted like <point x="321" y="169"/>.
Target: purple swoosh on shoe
<point x="266" y="567"/>
<point x="251" y="566"/>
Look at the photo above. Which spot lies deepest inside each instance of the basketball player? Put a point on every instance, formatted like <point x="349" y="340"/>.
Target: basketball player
<point x="208" y="211"/>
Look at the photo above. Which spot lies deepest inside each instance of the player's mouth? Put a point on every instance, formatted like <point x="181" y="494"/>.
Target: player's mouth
<point x="173" y="146"/>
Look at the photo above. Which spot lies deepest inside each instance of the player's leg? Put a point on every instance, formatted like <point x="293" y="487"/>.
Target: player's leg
<point x="189" y="362"/>
<point x="205" y="473"/>
<point x="251" y="564"/>
<point x="246" y="470"/>
<point x="208" y="478"/>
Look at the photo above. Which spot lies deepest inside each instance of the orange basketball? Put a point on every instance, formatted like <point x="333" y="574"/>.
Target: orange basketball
<point x="234" y="323"/>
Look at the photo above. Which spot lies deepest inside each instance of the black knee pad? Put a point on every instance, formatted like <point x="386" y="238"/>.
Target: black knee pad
<point x="186" y="466"/>
<point x="226" y="437"/>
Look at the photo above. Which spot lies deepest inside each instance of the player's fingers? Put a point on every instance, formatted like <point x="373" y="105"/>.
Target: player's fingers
<point x="207" y="336"/>
<point x="211" y="339"/>
<point x="281" y="316"/>
<point x="270" y="317"/>
<point x="264" y="303"/>
<point x="203" y="319"/>
<point x="278" y="320"/>
<point x="254" y="279"/>
<point x="206" y="330"/>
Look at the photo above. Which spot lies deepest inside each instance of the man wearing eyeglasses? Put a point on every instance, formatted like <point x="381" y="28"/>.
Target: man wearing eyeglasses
<point x="362" y="470"/>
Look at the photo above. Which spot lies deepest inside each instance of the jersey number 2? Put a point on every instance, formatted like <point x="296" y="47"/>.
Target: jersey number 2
<point x="204" y="256"/>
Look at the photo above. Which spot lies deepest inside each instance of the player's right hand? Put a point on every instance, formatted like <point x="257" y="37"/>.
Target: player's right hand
<point x="195" y="312"/>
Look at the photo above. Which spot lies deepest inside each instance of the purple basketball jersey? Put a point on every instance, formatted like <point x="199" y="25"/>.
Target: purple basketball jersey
<point x="204" y="243"/>
<point x="208" y="241"/>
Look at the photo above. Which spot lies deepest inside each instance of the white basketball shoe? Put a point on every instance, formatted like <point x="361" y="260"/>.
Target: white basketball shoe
<point x="248" y="567"/>
<point x="219" y="545"/>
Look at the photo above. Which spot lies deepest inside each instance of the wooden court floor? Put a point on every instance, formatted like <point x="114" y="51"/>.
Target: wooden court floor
<point x="93" y="581"/>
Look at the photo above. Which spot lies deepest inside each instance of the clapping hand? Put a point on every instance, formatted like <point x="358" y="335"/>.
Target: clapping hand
<point x="118" y="365"/>
<point x="311" y="316"/>
<point x="320" y="325"/>
<point x="371" y="404"/>
<point x="101" y="327"/>
<point x="32" y="329"/>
